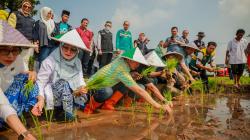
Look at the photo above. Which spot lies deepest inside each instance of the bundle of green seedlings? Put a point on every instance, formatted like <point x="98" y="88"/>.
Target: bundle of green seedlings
<point x="97" y="83"/>
<point x="168" y="97"/>
<point x="148" y="70"/>
<point x="28" y="87"/>
<point x="171" y="64"/>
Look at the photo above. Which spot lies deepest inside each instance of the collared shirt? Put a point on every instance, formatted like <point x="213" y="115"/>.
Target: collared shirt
<point x="115" y="72"/>
<point x="124" y="40"/>
<point x="86" y="35"/>
<point x="237" y="51"/>
<point x="174" y="47"/>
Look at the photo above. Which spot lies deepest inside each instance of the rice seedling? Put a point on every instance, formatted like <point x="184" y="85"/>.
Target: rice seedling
<point x="49" y="116"/>
<point x="161" y="114"/>
<point x="37" y="126"/>
<point x="171" y="64"/>
<point x="168" y="96"/>
<point x="148" y="70"/>
<point x="31" y="63"/>
<point x="149" y="109"/>
<point x="28" y="88"/>
<point x="133" y="107"/>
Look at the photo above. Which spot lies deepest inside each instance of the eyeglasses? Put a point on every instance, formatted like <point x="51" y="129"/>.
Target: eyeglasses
<point x="26" y="6"/>
<point x="73" y="50"/>
<point x="13" y="51"/>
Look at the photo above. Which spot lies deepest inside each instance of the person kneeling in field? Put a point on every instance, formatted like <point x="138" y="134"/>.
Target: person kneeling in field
<point x="201" y="59"/>
<point x="114" y="73"/>
<point x="175" y="80"/>
<point x="15" y="98"/>
<point x="60" y="78"/>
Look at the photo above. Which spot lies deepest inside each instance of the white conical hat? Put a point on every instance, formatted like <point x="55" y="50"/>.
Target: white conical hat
<point x="154" y="60"/>
<point x="135" y="55"/>
<point x="72" y="38"/>
<point x="12" y="37"/>
<point x="191" y="45"/>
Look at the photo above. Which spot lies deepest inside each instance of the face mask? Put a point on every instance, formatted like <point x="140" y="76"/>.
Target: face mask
<point x="107" y="28"/>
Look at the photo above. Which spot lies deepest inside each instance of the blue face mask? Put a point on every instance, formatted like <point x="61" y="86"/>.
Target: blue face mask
<point x="1" y="65"/>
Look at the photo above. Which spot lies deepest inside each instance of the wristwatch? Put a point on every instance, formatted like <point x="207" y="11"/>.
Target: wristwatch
<point x="23" y="135"/>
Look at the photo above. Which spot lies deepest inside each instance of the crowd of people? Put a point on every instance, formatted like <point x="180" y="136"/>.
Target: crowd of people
<point x="65" y="56"/>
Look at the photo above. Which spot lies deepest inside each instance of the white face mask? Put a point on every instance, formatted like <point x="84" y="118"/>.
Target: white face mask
<point x="108" y="28"/>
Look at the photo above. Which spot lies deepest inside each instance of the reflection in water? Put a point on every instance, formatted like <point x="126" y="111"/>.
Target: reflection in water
<point x="195" y="117"/>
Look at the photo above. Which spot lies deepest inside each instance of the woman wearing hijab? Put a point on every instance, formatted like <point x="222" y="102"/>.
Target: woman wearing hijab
<point x="42" y="33"/>
<point x="14" y="74"/>
<point x="60" y="78"/>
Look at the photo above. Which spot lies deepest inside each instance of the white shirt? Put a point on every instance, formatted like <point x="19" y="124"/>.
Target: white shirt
<point x="44" y="81"/>
<point x="7" y="74"/>
<point x="237" y="51"/>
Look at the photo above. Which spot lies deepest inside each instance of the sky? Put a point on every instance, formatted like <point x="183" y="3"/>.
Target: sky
<point x="219" y="19"/>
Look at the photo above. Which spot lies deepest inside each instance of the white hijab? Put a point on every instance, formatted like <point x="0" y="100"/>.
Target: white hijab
<point x="50" y="24"/>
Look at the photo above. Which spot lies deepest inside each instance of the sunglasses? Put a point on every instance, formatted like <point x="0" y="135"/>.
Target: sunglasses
<point x="73" y="50"/>
<point x="13" y="51"/>
<point x="26" y="6"/>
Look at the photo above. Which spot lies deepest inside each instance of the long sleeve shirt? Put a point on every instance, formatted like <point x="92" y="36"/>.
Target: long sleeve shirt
<point x="45" y="81"/>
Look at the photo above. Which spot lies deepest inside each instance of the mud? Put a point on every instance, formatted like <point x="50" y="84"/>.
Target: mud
<point x="205" y="117"/>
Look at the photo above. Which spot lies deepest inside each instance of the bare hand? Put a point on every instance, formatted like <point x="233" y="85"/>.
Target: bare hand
<point x="82" y="90"/>
<point x="136" y="75"/>
<point x="167" y="109"/>
<point x="32" y="75"/>
<point x="37" y="110"/>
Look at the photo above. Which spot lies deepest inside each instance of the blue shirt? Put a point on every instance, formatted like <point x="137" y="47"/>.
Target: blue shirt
<point x="174" y="47"/>
<point x="63" y="28"/>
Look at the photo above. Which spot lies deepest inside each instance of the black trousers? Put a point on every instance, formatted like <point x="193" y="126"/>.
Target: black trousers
<point x="104" y="59"/>
<point x="84" y="56"/>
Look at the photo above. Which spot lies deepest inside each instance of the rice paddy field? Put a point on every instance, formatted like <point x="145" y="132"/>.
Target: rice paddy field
<point x="223" y="114"/>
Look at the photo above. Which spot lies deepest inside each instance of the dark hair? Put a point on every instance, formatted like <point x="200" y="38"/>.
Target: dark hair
<point x="125" y="22"/>
<point x="240" y="31"/>
<point x="211" y="43"/>
<point x="65" y="12"/>
<point x="84" y="20"/>
<point x="108" y="22"/>
<point x="174" y="28"/>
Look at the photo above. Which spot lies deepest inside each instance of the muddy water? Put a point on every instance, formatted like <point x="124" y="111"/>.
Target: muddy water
<point x="225" y="117"/>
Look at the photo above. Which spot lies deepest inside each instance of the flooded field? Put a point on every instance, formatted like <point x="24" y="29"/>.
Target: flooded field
<point x="205" y="117"/>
